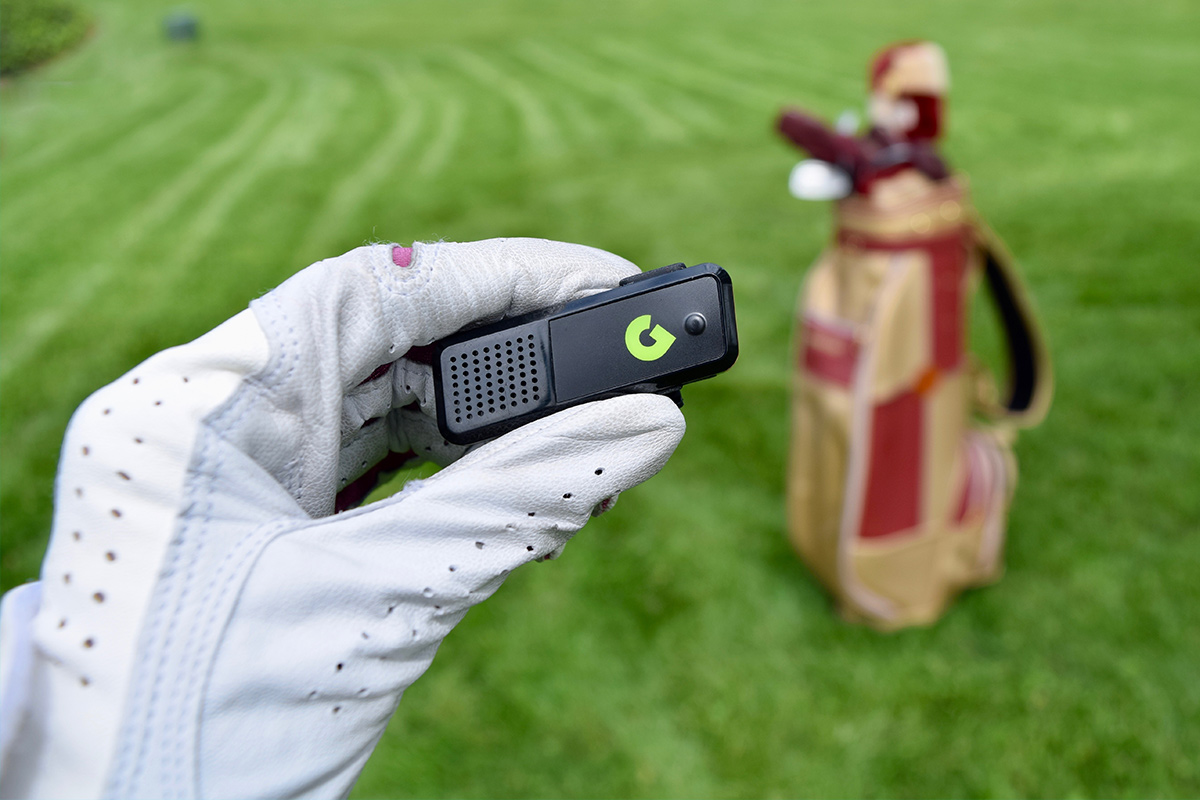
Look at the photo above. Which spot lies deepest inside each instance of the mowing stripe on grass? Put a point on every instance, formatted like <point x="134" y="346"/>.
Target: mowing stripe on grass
<point x="803" y="75"/>
<point x="686" y="73"/>
<point x="543" y="138"/>
<point x="125" y="155"/>
<point x="307" y="121"/>
<point x="578" y="74"/>
<point x="91" y="139"/>
<point x="445" y="138"/>
<point x="381" y="163"/>
<point x="691" y="108"/>
<point x="154" y="212"/>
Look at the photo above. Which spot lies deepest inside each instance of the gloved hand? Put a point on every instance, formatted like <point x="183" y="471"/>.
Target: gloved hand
<point x="207" y="625"/>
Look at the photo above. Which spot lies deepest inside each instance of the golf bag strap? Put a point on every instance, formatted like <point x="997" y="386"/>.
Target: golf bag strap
<point x="1030" y="377"/>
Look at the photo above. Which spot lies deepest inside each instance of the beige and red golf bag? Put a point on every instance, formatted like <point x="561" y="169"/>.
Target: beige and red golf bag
<point x="902" y="467"/>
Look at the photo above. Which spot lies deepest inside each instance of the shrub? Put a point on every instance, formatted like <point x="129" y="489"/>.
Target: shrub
<point x="33" y="31"/>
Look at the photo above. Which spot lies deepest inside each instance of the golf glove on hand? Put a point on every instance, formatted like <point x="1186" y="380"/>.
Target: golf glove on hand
<point x="206" y="625"/>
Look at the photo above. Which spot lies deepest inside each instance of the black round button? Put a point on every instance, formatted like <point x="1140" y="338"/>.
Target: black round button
<point x="695" y="324"/>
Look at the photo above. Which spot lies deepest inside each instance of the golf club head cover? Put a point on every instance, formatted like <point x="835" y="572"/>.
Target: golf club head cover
<point x="205" y="623"/>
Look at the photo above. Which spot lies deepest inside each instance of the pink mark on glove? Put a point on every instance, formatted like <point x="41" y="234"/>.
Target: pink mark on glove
<point x="401" y="256"/>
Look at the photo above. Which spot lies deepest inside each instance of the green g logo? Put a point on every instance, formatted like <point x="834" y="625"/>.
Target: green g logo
<point x="661" y="337"/>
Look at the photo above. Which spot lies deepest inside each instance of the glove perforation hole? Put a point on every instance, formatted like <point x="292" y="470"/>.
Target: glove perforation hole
<point x="339" y="667"/>
<point x="98" y="597"/>
<point x="77" y="535"/>
<point x="479" y="545"/>
<point x="110" y="555"/>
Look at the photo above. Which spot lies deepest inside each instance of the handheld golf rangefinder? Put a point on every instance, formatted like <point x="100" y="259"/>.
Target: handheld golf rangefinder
<point x="653" y="333"/>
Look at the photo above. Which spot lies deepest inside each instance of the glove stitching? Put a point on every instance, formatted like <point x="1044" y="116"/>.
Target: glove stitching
<point x="294" y="470"/>
<point x="161" y="616"/>
<point x="279" y="373"/>
<point x="385" y="273"/>
<point x="226" y="575"/>
<point x="224" y="419"/>
<point x="418" y="279"/>
<point x="194" y="530"/>
<point x="174" y="749"/>
<point x="201" y="538"/>
<point x="214" y="430"/>
<point x="132" y="754"/>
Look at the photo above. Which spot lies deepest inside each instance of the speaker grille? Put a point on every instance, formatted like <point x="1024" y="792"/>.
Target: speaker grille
<point x="494" y="378"/>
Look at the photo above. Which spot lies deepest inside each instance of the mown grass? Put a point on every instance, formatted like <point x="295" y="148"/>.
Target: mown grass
<point x="147" y="191"/>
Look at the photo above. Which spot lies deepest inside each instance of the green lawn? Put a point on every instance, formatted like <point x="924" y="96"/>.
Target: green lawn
<point x="678" y="649"/>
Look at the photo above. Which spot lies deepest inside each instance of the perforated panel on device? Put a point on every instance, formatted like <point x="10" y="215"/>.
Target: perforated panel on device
<point x="495" y="377"/>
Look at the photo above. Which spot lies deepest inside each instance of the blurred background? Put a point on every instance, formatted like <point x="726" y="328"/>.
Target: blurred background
<point x="150" y="188"/>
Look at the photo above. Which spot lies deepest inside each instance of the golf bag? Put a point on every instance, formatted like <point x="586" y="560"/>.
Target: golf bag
<point x="902" y="468"/>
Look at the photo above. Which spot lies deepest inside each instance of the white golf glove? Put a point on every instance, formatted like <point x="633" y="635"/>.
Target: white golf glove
<point x="205" y="624"/>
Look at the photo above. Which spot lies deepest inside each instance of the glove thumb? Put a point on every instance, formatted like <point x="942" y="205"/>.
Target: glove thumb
<point x="364" y="598"/>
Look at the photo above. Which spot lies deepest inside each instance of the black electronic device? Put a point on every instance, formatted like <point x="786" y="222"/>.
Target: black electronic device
<point x="653" y="333"/>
